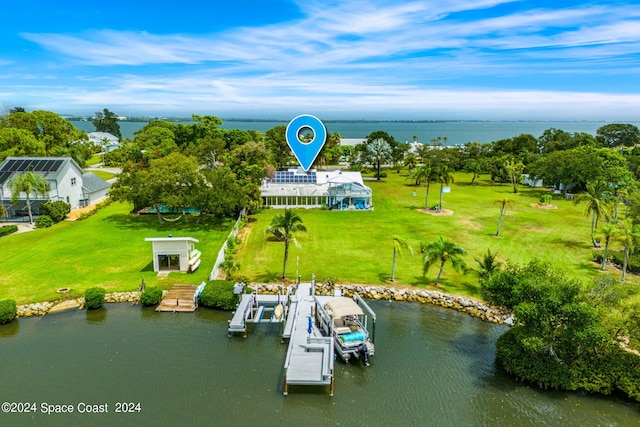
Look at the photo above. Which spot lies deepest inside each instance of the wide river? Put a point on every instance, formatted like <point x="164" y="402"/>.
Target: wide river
<point x="459" y="132"/>
<point x="433" y="367"/>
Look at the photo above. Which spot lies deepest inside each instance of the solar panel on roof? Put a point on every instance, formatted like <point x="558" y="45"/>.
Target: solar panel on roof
<point x="49" y="166"/>
<point x="13" y="165"/>
<point x="56" y="164"/>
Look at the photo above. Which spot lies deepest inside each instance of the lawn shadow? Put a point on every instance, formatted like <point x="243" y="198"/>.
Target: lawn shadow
<point x="150" y="222"/>
<point x="268" y="277"/>
<point x="536" y="194"/>
<point x="147" y="268"/>
<point x="571" y="243"/>
<point x="385" y="278"/>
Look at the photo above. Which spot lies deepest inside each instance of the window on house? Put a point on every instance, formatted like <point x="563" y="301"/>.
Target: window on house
<point x="73" y="181"/>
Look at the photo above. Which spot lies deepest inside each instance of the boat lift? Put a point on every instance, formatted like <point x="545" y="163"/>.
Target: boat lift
<point x="258" y="308"/>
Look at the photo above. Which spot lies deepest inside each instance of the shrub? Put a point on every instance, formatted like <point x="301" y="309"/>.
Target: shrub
<point x="94" y="298"/>
<point x="8" y="311"/>
<point x="57" y="211"/>
<point x="96" y="208"/>
<point x="545" y="199"/>
<point x="151" y="296"/>
<point x="232" y="244"/>
<point x="8" y="229"/>
<point x="219" y="294"/>
<point x="44" y="221"/>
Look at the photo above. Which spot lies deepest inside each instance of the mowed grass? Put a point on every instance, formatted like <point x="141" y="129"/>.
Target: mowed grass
<point x="107" y="249"/>
<point x="104" y="174"/>
<point x="357" y="247"/>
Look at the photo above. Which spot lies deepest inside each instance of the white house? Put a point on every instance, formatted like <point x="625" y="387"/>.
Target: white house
<point x="67" y="182"/>
<point x="102" y="138"/>
<point x="336" y="189"/>
<point x="107" y="141"/>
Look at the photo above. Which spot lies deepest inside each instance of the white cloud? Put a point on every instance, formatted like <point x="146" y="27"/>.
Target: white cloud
<point x="364" y="55"/>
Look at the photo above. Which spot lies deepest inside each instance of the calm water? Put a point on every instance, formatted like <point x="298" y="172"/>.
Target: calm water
<point x="457" y="132"/>
<point x="432" y="367"/>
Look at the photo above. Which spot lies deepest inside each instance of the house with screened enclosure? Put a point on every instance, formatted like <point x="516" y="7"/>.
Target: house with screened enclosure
<point x="337" y="189"/>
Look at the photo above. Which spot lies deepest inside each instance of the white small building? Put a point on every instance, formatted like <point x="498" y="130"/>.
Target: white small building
<point x="174" y="253"/>
<point x="531" y="182"/>
<point x="352" y="142"/>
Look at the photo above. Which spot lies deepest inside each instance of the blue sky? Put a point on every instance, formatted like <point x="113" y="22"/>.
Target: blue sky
<point x="454" y="59"/>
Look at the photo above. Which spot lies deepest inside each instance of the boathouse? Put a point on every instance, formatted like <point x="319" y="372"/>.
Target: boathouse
<point x="174" y="253"/>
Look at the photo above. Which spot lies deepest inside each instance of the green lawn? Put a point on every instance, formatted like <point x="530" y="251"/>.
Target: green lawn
<point x="104" y="174"/>
<point x="107" y="249"/>
<point x="95" y="159"/>
<point x="356" y="247"/>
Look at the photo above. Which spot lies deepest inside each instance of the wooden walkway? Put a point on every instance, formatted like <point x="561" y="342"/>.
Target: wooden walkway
<point x="179" y="298"/>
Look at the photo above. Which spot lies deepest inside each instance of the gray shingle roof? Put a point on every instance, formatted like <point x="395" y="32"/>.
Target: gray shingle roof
<point x="92" y="183"/>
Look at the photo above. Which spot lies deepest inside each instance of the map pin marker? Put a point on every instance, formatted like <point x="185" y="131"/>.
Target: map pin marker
<point x="306" y="149"/>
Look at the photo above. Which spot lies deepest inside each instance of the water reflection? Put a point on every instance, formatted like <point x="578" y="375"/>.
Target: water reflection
<point x="10" y="329"/>
<point x="149" y="313"/>
<point x="432" y="367"/>
<point x="97" y="315"/>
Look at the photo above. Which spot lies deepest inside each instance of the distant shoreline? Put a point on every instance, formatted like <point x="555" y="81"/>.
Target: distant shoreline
<point x="245" y="120"/>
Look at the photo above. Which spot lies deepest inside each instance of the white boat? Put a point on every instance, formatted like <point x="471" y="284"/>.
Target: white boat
<point x="345" y="320"/>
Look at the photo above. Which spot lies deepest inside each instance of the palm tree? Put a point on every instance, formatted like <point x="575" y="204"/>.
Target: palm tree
<point x="283" y="227"/>
<point x="598" y="198"/>
<point x="410" y="161"/>
<point x="29" y="183"/>
<point x="629" y="236"/>
<point x="488" y="265"/>
<point x="399" y="243"/>
<point x="504" y="203"/>
<point x="442" y="250"/>
<point x="379" y="151"/>
<point x="445" y="176"/>
<point x="418" y="174"/>
<point x="608" y="231"/>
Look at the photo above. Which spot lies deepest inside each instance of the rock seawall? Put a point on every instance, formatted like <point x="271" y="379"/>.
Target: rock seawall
<point x="42" y="308"/>
<point x="475" y="308"/>
<point x="467" y="305"/>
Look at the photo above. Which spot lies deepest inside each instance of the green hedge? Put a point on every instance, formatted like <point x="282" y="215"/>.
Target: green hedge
<point x="94" y="298"/>
<point x="8" y="311"/>
<point x="219" y="294"/>
<point x="57" y="211"/>
<point x="44" y="221"/>
<point x="8" y="229"/>
<point x="151" y="296"/>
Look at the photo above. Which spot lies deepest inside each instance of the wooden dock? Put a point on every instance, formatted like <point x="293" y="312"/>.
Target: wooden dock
<point x="180" y="298"/>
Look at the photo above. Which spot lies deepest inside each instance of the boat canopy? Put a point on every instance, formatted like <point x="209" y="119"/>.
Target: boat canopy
<point x="342" y="306"/>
